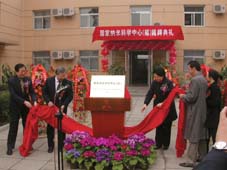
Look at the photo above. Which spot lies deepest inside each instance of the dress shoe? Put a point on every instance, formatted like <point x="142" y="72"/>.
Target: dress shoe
<point x="187" y="164"/>
<point x="199" y="160"/>
<point x="50" y="149"/>
<point x="9" y="151"/>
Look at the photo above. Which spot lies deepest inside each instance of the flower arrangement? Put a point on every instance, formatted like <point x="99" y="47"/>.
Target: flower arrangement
<point x="39" y="76"/>
<point x="172" y="56"/>
<point x="81" y="86"/>
<point x="88" y="152"/>
<point x="105" y="64"/>
<point x="173" y="75"/>
<point x="224" y="72"/>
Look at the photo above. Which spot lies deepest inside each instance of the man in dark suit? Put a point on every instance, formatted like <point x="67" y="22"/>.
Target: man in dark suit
<point x="21" y="95"/>
<point x="52" y="98"/>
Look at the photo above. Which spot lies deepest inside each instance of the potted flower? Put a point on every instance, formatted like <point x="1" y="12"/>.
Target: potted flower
<point x="87" y="152"/>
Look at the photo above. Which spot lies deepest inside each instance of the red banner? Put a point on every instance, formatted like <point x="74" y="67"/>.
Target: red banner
<point x="138" y="33"/>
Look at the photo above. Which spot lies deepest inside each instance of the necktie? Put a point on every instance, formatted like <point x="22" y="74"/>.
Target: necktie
<point x="22" y="85"/>
<point x="59" y="85"/>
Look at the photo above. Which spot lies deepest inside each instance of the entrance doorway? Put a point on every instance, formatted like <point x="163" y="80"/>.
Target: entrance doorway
<point x="138" y="69"/>
<point x="159" y="58"/>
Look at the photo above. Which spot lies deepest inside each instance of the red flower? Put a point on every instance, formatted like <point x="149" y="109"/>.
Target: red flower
<point x="68" y="146"/>
<point x="145" y="152"/>
<point x="124" y="146"/>
<point x="118" y="156"/>
<point x="89" y="154"/>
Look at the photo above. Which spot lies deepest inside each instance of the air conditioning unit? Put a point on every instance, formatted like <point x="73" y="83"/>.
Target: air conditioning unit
<point x="68" y="11"/>
<point x="57" y="12"/>
<point x="219" y="9"/>
<point x="56" y="55"/>
<point x="68" y="55"/>
<point x="219" y="54"/>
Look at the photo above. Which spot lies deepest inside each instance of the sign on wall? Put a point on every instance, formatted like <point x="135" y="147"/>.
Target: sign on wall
<point x="138" y="33"/>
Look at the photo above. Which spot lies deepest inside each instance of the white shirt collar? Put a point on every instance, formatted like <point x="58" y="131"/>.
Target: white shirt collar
<point x="56" y="82"/>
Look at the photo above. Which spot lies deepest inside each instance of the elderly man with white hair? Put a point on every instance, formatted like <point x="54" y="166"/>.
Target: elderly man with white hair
<point x="52" y="85"/>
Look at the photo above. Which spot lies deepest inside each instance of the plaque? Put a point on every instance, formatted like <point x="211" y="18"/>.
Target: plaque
<point x="107" y="86"/>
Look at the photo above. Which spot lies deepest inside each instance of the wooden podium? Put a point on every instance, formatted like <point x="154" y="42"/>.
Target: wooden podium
<point x="108" y="114"/>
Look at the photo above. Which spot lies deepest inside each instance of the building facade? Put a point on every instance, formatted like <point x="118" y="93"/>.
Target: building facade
<point x="56" y="32"/>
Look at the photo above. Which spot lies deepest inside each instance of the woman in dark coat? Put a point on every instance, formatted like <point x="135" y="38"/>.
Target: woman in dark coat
<point x="213" y="104"/>
<point x="160" y="89"/>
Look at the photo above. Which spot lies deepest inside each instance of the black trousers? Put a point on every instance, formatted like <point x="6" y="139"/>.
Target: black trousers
<point x="50" y="133"/>
<point x="212" y="134"/>
<point x="13" y="125"/>
<point x="163" y="133"/>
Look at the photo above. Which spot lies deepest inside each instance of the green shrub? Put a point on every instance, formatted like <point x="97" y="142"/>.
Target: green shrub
<point x="3" y="87"/>
<point x="4" y="107"/>
<point x="116" y="69"/>
<point x="7" y="73"/>
<point x="224" y="71"/>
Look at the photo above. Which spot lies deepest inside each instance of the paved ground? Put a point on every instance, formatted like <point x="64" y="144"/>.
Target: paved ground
<point x="41" y="160"/>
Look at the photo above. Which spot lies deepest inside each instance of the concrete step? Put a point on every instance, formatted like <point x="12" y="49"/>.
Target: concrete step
<point x="138" y="90"/>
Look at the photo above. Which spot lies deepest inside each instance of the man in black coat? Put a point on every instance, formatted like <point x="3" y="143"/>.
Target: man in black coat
<point x="61" y="99"/>
<point x="160" y="89"/>
<point x="21" y="97"/>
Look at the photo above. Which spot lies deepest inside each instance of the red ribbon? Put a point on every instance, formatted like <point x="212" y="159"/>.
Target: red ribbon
<point x="47" y="114"/>
<point x="152" y="120"/>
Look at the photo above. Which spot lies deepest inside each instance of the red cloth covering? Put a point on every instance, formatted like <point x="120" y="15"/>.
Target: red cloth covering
<point x="180" y="141"/>
<point x="152" y="120"/>
<point x="47" y="114"/>
<point x="156" y="116"/>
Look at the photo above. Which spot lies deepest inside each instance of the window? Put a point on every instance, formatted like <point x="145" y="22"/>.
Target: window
<point x="193" y="16"/>
<point x="42" y="57"/>
<point x="89" y="60"/>
<point x="141" y="15"/>
<point x="41" y="19"/>
<point x="89" y="17"/>
<point x="189" y="55"/>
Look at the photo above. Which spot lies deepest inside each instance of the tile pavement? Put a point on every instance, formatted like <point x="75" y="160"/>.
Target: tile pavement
<point x="41" y="160"/>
